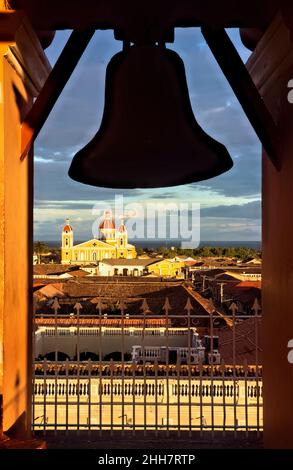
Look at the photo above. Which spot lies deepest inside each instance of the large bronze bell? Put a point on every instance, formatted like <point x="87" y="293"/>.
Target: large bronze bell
<point x="148" y="137"/>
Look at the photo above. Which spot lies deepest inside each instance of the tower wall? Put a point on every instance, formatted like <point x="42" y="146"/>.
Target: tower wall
<point x="67" y="244"/>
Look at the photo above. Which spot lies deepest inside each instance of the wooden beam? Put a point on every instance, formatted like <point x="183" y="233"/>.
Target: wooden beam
<point x="130" y="14"/>
<point x="242" y="84"/>
<point x="53" y="87"/>
<point x="9" y="24"/>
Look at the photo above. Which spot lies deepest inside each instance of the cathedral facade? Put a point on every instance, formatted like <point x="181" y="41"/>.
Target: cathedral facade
<point x="111" y="244"/>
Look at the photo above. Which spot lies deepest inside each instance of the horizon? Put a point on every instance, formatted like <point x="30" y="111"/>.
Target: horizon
<point x="256" y="244"/>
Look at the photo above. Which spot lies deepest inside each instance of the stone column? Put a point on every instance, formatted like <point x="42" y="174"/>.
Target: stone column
<point x="23" y="70"/>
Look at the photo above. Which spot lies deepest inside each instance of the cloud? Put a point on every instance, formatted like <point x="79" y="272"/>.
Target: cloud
<point x="76" y="117"/>
<point x="164" y="195"/>
<point x="52" y="183"/>
<point x="230" y="229"/>
<point x="43" y="160"/>
<point x="64" y="205"/>
<point x="251" y="210"/>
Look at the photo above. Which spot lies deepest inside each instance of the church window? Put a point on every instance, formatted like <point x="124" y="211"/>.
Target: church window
<point x="66" y="241"/>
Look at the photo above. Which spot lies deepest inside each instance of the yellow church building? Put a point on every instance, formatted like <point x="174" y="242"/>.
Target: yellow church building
<point x="111" y="244"/>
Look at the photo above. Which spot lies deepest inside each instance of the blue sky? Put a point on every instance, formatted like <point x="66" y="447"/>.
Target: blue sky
<point x="230" y="203"/>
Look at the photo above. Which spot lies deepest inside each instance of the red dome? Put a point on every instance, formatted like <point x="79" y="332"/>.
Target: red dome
<point x="67" y="227"/>
<point x="108" y="222"/>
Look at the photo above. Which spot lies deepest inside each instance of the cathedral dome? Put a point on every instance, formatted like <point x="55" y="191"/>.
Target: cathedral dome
<point x="108" y="222"/>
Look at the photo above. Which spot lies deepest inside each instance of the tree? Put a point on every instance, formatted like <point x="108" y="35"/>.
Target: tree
<point x="40" y="248"/>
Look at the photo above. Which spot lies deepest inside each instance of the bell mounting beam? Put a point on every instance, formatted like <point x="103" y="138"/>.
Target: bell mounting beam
<point x="246" y="92"/>
<point x="132" y="15"/>
<point x="9" y="23"/>
<point x="57" y="79"/>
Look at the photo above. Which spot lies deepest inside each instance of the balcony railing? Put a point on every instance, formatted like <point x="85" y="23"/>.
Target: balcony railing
<point x="180" y="391"/>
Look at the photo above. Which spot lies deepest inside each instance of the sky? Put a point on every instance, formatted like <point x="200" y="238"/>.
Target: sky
<point x="229" y="204"/>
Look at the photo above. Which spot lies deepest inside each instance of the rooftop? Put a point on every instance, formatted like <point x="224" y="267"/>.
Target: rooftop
<point x="52" y="269"/>
<point x="245" y="342"/>
<point x="78" y="273"/>
<point x="245" y="292"/>
<point x="110" y="293"/>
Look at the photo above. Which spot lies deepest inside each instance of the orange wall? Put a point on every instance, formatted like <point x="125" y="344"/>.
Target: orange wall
<point x="15" y="241"/>
<point x="23" y="72"/>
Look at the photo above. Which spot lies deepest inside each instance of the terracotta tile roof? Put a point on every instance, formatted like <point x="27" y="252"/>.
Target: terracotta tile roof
<point x="256" y="284"/>
<point x="110" y="293"/>
<point x="50" y="291"/>
<point x="37" y="285"/>
<point x="230" y="270"/>
<point x="245" y="345"/>
<point x="47" y="269"/>
<point x="245" y="291"/>
<point x="192" y="263"/>
<point x="79" y="273"/>
<point x="205" y="303"/>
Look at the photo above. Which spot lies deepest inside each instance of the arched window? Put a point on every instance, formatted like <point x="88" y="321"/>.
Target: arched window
<point x="94" y="256"/>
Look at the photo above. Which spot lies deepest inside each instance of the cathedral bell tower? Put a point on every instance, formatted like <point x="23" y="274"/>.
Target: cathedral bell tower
<point x="122" y="240"/>
<point x="67" y="243"/>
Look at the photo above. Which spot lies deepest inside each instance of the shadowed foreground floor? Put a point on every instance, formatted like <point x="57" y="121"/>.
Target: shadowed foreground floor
<point x="128" y="441"/>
